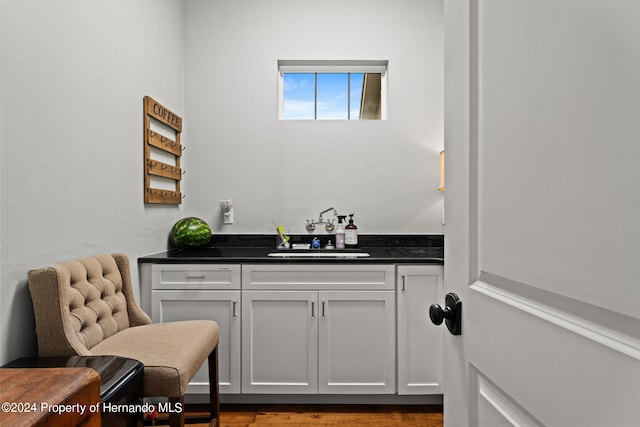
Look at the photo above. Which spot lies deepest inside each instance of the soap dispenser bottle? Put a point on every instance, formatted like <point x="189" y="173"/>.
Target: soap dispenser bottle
<point x="351" y="234"/>
<point x="340" y="234"/>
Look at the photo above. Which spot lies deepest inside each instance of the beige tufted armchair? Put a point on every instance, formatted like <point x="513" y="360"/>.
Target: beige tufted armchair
<point x="87" y="307"/>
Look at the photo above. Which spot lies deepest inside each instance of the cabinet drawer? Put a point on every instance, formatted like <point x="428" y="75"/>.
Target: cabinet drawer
<point x="318" y="277"/>
<point x="195" y="276"/>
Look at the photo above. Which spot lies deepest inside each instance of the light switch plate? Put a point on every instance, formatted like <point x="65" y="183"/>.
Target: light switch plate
<point x="228" y="217"/>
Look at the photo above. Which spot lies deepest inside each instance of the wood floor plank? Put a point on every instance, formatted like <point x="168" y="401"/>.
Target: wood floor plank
<point x="325" y="415"/>
<point x="345" y="415"/>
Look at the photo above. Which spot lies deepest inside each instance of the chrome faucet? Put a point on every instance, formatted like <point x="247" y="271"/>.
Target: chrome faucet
<point x="329" y="225"/>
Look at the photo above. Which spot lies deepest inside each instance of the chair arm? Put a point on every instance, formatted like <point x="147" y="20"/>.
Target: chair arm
<point x="137" y="316"/>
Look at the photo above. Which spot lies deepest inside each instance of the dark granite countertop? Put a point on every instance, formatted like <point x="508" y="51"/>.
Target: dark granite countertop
<point x="239" y="248"/>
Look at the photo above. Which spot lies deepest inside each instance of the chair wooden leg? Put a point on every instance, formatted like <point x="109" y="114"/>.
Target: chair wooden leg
<point x="214" y="389"/>
<point x="176" y="418"/>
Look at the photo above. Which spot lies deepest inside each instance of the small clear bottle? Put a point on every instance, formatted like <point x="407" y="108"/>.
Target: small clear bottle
<point x="340" y="232"/>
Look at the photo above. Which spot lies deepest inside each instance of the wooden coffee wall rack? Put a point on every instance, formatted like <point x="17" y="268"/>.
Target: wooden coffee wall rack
<point x="153" y="110"/>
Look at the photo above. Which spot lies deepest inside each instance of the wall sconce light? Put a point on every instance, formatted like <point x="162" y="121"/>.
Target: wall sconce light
<point x="441" y="186"/>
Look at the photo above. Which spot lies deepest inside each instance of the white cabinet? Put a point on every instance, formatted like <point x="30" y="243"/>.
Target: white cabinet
<point x="357" y="342"/>
<point x="211" y="292"/>
<point x="334" y="334"/>
<point x="325" y="329"/>
<point x="419" y="341"/>
<point x="280" y="339"/>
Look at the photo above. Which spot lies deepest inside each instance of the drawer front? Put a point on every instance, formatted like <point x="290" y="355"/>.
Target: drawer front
<point x="195" y="276"/>
<point x="318" y="277"/>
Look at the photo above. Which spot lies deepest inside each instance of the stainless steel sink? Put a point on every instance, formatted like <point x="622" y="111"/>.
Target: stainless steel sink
<point x="318" y="254"/>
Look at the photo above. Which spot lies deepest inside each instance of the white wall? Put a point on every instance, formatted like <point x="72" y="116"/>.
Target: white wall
<point x="386" y="172"/>
<point x="73" y="77"/>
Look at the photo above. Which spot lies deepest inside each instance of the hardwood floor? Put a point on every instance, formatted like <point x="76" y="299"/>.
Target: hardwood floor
<point x="327" y="415"/>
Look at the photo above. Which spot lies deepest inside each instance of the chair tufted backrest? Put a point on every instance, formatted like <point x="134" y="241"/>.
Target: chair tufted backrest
<point x="94" y="298"/>
<point x="78" y="304"/>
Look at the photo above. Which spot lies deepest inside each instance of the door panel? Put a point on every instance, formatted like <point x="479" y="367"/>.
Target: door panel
<point x="357" y="342"/>
<point x="220" y="306"/>
<point x="558" y="105"/>
<point x="542" y="206"/>
<point x="494" y="407"/>
<point x="419" y="341"/>
<point x="279" y="342"/>
<point x="561" y="368"/>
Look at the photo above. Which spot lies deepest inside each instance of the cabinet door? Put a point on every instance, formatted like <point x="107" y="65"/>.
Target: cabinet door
<point x="221" y="306"/>
<point x="279" y="342"/>
<point x="357" y="342"/>
<point x="419" y="341"/>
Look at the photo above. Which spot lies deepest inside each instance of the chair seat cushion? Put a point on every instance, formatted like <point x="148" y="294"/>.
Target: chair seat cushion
<point x="171" y="352"/>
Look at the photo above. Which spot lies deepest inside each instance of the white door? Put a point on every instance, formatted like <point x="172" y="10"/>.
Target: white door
<point x="542" y="135"/>
<point x="357" y="342"/>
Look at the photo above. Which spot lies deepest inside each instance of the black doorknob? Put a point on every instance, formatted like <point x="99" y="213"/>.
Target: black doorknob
<point x="451" y="314"/>
<point x="437" y="314"/>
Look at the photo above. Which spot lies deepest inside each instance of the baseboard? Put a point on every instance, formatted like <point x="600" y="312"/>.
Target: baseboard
<point x="319" y="399"/>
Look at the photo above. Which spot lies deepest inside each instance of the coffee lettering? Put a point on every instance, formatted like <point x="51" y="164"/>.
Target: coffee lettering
<point x="165" y="114"/>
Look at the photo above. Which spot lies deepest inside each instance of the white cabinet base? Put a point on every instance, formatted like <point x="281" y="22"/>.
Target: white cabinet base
<point x="311" y="328"/>
<point x="310" y="333"/>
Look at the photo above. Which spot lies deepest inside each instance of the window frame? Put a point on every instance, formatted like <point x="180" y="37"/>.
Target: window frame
<point x="333" y="66"/>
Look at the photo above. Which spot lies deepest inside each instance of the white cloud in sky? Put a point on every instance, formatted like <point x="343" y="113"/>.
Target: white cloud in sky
<point x="291" y="84"/>
<point x="298" y="110"/>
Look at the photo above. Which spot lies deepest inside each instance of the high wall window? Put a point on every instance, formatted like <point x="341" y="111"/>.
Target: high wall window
<point x="332" y="90"/>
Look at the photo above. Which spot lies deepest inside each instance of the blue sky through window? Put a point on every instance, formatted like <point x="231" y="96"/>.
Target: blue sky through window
<point x="332" y="101"/>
